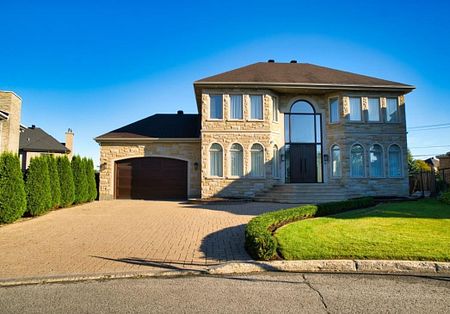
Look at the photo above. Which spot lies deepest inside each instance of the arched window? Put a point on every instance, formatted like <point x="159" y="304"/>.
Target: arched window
<point x="237" y="160"/>
<point x="275" y="162"/>
<point x="395" y="161"/>
<point x="357" y="161"/>
<point x="376" y="161"/>
<point x="216" y="160"/>
<point x="302" y="106"/>
<point x="336" y="170"/>
<point x="257" y="161"/>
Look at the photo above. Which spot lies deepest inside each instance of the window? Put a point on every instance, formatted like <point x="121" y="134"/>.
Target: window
<point x="334" y="110"/>
<point x="374" y="109"/>
<point x="257" y="161"/>
<point x="357" y="161"/>
<point x="237" y="160"/>
<point x="355" y="109"/>
<point x="376" y="161"/>
<point x="336" y="161"/>
<point x="216" y="160"/>
<point x="391" y="110"/>
<point x="275" y="162"/>
<point x="215" y="107"/>
<point x="236" y="107"/>
<point x="274" y="109"/>
<point x="395" y="161"/>
<point x="256" y="107"/>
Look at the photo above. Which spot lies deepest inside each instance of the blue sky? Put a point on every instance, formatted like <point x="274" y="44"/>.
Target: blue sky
<point x="94" y="66"/>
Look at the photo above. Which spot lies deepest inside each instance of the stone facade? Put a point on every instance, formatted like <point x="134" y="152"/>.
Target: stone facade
<point x="11" y="104"/>
<point x="110" y="152"/>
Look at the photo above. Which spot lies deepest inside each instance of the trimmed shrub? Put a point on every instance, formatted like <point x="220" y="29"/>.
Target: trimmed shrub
<point x="13" y="199"/>
<point x="92" y="185"/>
<point x="55" y="186"/>
<point x="37" y="186"/>
<point x="66" y="184"/>
<point x="259" y="240"/>
<point x="80" y="180"/>
<point x="445" y="198"/>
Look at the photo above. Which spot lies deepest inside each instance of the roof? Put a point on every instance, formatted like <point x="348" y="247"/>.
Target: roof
<point x="275" y="73"/>
<point x="158" y="126"/>
<point x="37" y="140"/>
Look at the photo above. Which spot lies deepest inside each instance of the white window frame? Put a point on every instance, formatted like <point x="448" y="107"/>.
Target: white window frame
<point x="350" y="109"/>
<point x="210" y="111"/>
<point x="379" y="109"/>
<point x="231" y="164"/>
<point x="263" y="162"/>
<point x="209" y="161"/>
<point x="242" y="108"/>
<point x="339" y="174"/>
<point x="363" y="162"/>
<point x="382" y="161"/>
<point x="389" y="162"/>
<point x="250" y="107"/>
<point x="337" y="109"/>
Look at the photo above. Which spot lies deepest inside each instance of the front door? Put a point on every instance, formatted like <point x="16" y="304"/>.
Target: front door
<point x="303" y="165"/>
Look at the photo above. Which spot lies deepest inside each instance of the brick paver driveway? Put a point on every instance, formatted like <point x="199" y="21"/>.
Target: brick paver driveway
<point x="126" y="236"/>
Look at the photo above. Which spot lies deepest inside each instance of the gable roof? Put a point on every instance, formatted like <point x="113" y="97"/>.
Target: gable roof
<point x="158" y="126"/>
<point x="37" y="140"/>
<point x="304" y="74"/>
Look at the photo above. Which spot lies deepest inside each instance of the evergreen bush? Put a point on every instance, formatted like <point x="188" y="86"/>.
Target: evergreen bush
<point x="66" y="183"/>
<point x="54" y="181"/>
<point x="80" y="180"/>
<point x="92" y="185"/>
<point x="37" y="186"/>
<point x="13" y="199"/>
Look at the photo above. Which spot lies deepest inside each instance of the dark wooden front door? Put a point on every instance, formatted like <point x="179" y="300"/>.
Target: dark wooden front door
<point x="303" y="166"/>
<point x="151" y="178"/>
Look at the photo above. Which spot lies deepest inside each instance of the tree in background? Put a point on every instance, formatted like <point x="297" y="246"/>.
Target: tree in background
<point x="54" y="181"/>
<point x="80" y="180"/>
<point x="37" y="186"/>
<point x="66" y="181"/>
<point x="13" y="199"/>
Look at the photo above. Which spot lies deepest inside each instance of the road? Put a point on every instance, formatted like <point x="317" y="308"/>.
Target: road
<point x="268" y="292"/>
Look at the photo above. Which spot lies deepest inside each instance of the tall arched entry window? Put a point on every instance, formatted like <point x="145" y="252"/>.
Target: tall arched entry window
<point x="303" y="132"/>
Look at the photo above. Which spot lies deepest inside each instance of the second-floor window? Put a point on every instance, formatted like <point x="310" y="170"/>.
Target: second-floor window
<point x="274" y="109"/>
<point x="374" y="109"/>
<point x="355" y="109"/>
<point x="391" y="110"/>
<point x="236" y="107"/>
<point x="256" y="107"/>
<point x="334" y="110"/>
<point x="215" y="107"/>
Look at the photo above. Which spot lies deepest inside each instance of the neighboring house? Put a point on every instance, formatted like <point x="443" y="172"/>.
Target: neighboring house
<point x="433" y="163"/>
<point x="271" y="131"/>
<point x="10" y="110"/>
<point x="444" y="166"/>
<point x="36" y="142"/>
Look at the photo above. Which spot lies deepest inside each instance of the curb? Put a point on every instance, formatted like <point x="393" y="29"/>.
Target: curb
<point x="248" y="267"/>
<point x="335" y="266"/>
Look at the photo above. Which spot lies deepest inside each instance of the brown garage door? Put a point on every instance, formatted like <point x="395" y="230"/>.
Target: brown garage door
<point x="151" y="178"/>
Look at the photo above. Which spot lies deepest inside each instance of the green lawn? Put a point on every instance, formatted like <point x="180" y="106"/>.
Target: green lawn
<point x="417" y="230"/>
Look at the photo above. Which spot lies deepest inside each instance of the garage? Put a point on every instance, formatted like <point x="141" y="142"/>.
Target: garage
<point x="151" y="178"/>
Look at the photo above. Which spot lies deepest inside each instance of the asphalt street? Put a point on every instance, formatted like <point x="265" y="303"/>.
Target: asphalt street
<point x="267" y="292"/>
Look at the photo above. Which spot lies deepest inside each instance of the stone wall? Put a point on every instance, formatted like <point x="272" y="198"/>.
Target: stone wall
<point x="111" y="152"/>
<point x="10" y="129"/>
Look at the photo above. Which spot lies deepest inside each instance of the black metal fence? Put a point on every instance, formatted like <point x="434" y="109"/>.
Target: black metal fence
<point x="429" y="183"/>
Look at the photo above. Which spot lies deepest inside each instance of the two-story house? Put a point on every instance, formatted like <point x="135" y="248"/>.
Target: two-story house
<point x="272" y="131"/>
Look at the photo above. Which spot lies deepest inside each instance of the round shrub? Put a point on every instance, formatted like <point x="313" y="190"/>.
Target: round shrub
<point x="13" y="199"/>
<point x="66" y="184"/>
<point x="37" y="186"/>
<point x="80" y="180"/>
<point x="54" y="181"/>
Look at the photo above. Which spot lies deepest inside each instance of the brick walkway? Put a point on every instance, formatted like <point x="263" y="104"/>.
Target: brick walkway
<point x="126" y="236"/>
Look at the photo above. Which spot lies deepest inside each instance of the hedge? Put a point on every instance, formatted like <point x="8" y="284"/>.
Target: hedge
<point x="13" y="199"/>
<point x="66" y="181"/>
<point x="259" y="240"/>
<point x="92" y="185"/>
<point x="37" y="186"/>
<point x="55" y="186"/>
<point x="79" y="180"/>
<point x="445" y="197"/>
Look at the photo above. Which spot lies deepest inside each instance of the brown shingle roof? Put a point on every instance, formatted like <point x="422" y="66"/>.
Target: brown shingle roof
<point x="267" y="73"/>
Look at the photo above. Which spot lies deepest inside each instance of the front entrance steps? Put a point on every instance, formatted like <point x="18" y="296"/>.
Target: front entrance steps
<point x="303" y="193"/>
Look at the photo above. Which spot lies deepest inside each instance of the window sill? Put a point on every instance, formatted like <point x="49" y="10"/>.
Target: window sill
<point x="255" y="120"/>
<point x="236" y="120"/>
<point x="213" y="178"/>
<point x="214" y="120"/>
